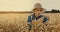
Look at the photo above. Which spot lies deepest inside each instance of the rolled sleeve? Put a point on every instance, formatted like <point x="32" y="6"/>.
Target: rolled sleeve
<point x="45" y="19"/>
<point x="29" y="19"/>
<point x="29" y="22"/>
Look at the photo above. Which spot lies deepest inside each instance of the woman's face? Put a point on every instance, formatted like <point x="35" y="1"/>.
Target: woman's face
<point x="38" y="11"/>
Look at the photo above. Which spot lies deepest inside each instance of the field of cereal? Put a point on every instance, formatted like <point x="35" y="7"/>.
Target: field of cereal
<point x="15" y="22"/>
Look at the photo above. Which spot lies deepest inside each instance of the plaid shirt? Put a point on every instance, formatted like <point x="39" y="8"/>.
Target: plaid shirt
<point x="34" y="18"/>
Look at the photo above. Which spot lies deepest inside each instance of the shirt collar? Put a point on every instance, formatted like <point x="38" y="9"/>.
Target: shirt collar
<point x="37" y="17"/>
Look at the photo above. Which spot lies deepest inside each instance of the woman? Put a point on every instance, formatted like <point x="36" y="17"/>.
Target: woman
<point x="37" y="14"/>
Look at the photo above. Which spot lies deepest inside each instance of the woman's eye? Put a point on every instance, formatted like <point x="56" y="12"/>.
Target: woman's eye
<point x="38" y="10"/>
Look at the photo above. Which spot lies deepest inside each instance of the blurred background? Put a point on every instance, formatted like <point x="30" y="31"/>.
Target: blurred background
<point x="27" y="5"/>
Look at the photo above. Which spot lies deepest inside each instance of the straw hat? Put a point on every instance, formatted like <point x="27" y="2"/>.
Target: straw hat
<point x="38" y="5"/>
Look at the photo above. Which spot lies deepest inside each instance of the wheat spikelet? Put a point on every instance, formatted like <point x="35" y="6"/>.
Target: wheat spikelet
<point x="37" y="25"/>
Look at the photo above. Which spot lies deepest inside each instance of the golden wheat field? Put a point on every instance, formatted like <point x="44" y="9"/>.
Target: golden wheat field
<point x="17" y="22"/>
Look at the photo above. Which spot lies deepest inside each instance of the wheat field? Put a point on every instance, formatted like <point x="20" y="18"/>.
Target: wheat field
<point x="17" y="22"/>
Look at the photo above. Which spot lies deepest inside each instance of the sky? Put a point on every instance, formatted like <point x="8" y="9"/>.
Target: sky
<point x="27" y="5"/>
